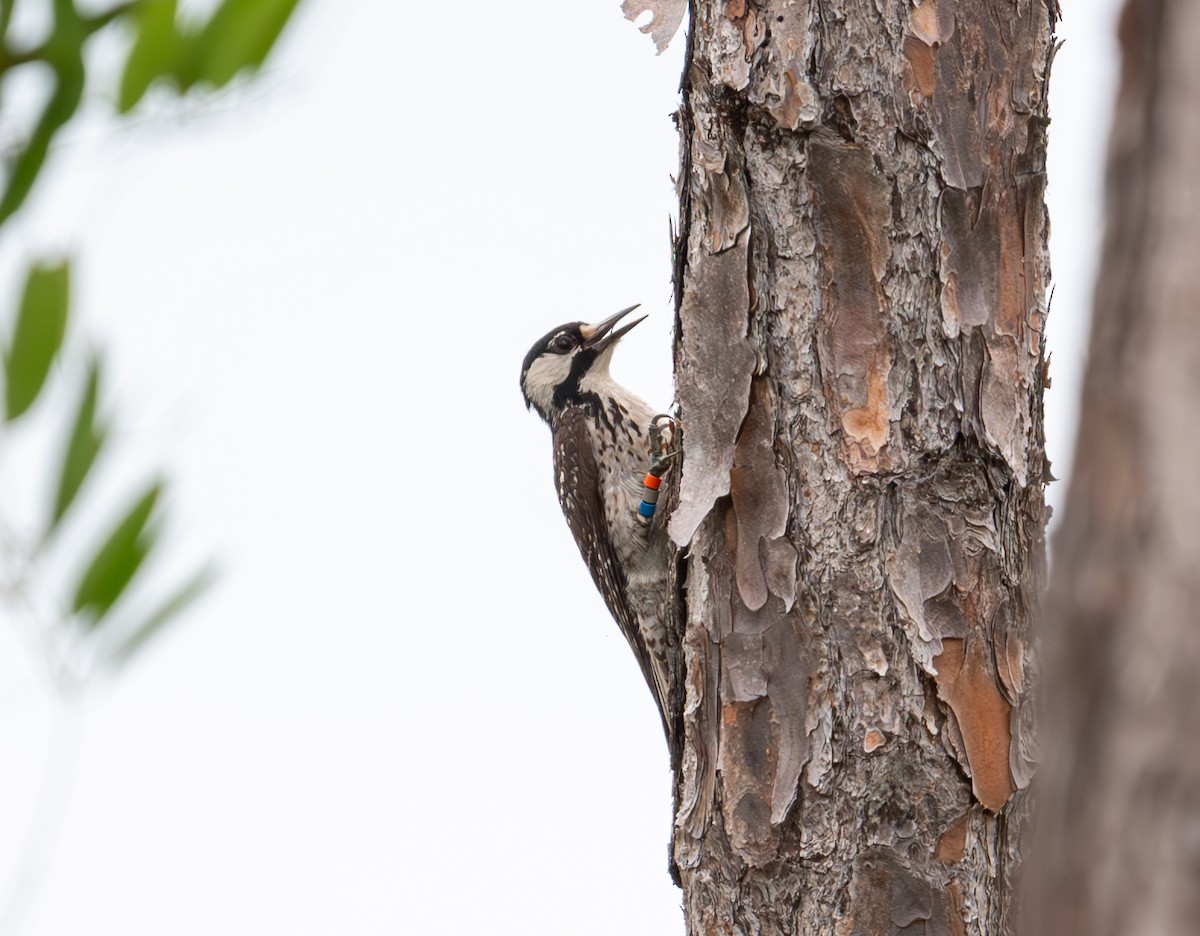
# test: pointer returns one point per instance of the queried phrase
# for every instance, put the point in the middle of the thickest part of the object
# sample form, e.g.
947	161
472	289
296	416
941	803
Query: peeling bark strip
712	375
860	274
966	684
760	720
851	205
666	15
760	506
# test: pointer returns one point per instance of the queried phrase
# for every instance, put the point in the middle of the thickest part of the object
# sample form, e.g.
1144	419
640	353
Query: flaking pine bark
861	274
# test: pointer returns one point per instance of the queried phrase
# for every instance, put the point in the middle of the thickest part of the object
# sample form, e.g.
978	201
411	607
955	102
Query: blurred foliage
180	53
40	328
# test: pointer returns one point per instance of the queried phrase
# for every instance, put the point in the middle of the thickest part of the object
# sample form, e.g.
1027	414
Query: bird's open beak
601	335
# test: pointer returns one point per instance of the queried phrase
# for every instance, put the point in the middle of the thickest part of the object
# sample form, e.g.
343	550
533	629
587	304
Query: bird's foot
664	444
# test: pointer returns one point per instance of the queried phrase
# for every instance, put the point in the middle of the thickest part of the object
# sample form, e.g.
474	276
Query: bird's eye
563	343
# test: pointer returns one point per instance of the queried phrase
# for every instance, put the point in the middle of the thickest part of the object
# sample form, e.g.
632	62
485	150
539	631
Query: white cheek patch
544	374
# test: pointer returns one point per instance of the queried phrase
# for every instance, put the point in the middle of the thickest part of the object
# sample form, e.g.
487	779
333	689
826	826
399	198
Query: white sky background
404	709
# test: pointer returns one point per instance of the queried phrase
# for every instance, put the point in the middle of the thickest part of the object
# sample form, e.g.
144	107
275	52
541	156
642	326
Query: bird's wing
577	480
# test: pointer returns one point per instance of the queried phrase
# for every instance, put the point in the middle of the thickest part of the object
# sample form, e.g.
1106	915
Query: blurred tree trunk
860	276
1121	799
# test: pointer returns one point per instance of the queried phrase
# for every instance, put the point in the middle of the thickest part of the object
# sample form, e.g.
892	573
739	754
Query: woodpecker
602	437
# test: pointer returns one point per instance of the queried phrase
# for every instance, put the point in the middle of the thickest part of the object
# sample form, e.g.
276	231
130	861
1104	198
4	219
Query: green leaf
38	334
239	35
87	437
118	560
155	53
166	612
64	53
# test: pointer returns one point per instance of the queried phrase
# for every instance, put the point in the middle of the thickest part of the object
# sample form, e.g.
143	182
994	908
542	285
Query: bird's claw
660	459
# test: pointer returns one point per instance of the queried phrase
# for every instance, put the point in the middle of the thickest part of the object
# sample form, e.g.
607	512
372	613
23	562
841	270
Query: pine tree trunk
1120	807
860	276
